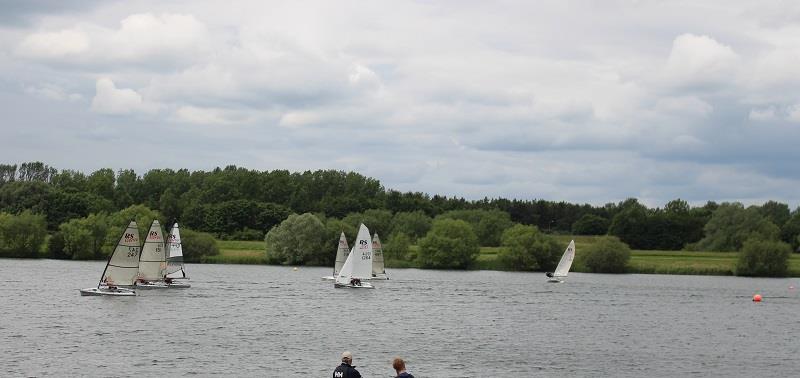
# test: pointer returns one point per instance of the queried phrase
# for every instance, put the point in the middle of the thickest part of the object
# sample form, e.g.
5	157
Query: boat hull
162	285
119	292
363	285
554	280
328	278
380	277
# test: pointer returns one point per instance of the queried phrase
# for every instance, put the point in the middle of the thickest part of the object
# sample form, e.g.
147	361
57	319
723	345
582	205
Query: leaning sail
341	254
377	256
153	262
124	262
362	261
344	275
566	261
175	267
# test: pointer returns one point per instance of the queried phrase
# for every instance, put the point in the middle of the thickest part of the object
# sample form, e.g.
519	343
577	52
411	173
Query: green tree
790	230
630	224
776	212
590	224
414	224
731	224
22	235
398	247
763	258
196	245
450	244
526	248
376	220
300	239
85	238
488	225
607	255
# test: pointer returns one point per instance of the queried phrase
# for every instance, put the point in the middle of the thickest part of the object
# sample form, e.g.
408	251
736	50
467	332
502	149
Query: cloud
52	92
110	100
794	113
700	61
210	116
53	45
763	114
689	105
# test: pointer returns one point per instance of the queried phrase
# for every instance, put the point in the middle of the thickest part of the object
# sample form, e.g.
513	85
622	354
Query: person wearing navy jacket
346	369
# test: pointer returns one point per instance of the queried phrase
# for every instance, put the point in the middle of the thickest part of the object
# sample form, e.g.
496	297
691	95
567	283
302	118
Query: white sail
341	254
153	261
346	273
175	268
362	251
566	261
378	267
123	264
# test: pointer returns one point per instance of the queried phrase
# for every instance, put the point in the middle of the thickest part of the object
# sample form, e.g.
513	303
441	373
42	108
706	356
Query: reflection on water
251	320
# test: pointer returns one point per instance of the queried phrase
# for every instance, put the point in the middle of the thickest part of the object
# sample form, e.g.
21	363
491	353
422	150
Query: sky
578	101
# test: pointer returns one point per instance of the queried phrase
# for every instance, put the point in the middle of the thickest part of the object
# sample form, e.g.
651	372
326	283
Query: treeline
238	203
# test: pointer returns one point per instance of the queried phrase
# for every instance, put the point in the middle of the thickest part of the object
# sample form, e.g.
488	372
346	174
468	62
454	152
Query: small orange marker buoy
757	298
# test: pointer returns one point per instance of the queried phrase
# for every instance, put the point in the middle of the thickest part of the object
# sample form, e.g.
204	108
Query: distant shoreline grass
642	262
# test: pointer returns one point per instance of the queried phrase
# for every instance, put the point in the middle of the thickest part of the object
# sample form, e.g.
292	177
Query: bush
197	245
451	244
300	239
414	224
607	255
22	235
528	249
55	247
397	247
767	258
247	234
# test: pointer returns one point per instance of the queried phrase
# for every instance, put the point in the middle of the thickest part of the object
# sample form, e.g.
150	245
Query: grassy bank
649	262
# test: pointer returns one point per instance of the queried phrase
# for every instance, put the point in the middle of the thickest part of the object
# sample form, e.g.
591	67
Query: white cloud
53	45
109	99
52	92
700	60
793	113
763	114
210	116
688	105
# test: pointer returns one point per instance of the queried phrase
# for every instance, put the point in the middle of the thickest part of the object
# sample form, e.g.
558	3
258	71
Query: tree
85	238
731	224
397	248
413	224
376	220
488	225
763	258
196	245
790	231
776	212
590	224
22	235
451	244
607	255
300	239
526	248
630	224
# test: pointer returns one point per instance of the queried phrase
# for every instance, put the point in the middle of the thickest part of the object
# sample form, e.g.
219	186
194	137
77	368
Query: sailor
346	370
400	367
549	274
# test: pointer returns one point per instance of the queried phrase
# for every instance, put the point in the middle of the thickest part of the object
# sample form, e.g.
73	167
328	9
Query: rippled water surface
254	320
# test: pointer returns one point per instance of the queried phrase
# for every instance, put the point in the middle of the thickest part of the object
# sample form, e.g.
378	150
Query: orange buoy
757	298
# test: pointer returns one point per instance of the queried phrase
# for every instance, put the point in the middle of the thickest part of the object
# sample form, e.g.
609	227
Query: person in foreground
346	369
400	367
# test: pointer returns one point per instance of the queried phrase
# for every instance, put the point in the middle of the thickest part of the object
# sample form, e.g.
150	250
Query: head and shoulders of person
346	369
399	366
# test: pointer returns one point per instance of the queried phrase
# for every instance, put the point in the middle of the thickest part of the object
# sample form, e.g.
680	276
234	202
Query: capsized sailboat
176	271
121	268
358	265
153	260
341	256
378	268
563	266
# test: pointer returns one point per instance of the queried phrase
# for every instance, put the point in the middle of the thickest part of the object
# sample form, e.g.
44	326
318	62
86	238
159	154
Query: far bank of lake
642	261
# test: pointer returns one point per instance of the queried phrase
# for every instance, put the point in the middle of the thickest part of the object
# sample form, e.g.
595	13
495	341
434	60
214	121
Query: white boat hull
555	280
328	278
364	285
380	277
118	292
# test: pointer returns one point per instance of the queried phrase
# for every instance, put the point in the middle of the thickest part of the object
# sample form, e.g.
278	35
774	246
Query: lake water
245	320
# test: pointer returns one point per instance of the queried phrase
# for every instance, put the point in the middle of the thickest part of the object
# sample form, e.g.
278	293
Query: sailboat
153	260
563	266
378	269
175	268
121	268
358	265
341	256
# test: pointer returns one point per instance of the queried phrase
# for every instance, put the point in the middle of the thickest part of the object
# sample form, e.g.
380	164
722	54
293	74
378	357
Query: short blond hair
398	364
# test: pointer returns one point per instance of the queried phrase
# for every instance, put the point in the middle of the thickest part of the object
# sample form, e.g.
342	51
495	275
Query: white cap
347	355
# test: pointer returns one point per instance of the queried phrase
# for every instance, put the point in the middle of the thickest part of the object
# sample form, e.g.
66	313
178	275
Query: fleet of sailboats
358	265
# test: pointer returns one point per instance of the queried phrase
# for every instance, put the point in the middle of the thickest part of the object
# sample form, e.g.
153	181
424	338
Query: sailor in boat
355	281
549	274
346	369
168	280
